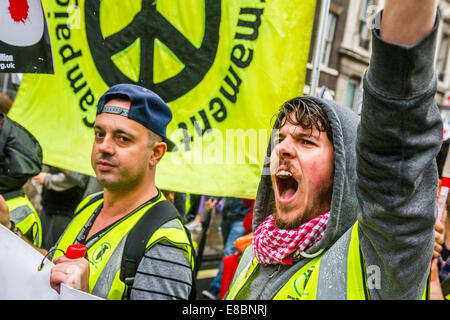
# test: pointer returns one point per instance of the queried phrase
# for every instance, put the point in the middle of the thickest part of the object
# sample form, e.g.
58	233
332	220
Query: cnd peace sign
147	25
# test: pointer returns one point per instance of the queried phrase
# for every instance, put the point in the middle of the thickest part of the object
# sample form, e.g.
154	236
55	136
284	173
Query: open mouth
286	184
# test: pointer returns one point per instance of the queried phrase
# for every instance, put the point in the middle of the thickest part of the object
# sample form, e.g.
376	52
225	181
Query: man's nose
106	145
286	149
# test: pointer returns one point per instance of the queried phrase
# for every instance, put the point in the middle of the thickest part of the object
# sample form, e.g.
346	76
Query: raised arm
405	22
399	137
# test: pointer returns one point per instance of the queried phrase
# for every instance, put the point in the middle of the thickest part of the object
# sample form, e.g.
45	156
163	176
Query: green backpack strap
138	237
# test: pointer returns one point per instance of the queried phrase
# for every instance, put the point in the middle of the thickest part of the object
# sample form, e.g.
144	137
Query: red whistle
75	251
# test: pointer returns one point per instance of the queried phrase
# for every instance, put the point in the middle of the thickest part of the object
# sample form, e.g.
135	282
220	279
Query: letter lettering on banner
238	61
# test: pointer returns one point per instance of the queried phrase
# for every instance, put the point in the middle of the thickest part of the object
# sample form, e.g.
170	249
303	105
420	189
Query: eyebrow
298	135
116	131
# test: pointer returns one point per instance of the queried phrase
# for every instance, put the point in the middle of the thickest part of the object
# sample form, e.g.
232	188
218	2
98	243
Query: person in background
20	159
62	191
201	204
233	214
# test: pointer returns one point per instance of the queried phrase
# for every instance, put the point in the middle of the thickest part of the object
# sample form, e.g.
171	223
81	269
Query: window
364	32
350	94
442	57
329	36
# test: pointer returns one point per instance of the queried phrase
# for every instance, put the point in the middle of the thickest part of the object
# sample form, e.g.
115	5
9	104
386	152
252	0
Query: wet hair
308	115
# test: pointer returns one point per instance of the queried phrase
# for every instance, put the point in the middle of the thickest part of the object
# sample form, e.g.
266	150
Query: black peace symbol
149	25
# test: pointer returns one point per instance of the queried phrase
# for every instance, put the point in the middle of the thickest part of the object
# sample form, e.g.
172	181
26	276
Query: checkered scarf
272	245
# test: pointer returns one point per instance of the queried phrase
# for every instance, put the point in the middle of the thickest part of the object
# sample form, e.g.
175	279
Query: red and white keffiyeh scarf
272	245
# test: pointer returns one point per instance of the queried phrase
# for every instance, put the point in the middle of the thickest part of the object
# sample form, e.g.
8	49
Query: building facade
347	48
346	52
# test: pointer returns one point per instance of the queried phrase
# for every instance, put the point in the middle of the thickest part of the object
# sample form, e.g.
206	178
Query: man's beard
282	224
287	224
322	206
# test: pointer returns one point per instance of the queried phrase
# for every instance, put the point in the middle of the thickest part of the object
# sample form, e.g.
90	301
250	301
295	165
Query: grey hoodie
385	176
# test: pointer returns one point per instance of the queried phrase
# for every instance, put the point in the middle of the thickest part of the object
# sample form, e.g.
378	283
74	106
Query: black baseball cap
146	107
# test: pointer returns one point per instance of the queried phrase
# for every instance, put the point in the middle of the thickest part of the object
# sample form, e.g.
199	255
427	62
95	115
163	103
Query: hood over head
344	123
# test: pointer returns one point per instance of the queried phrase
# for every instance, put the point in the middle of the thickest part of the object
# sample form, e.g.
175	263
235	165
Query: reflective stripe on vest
337	274
24	215
105	254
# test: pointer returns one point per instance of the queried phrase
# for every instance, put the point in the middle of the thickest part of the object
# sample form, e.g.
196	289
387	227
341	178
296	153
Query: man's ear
158	151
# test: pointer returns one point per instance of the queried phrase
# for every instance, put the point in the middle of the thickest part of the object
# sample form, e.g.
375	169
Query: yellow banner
223	67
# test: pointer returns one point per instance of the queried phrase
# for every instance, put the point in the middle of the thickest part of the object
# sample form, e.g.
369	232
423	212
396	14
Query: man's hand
72	272
438	238
40	178
406	22
210	203
4	213
435	285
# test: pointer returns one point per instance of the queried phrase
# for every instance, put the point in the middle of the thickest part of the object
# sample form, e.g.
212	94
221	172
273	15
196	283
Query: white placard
20	278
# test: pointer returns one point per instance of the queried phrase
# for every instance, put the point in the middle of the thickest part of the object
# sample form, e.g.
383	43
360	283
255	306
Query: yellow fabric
303	285
267	65
31	225
355	268
175	236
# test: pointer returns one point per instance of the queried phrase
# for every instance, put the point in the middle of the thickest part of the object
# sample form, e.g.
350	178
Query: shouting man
348	209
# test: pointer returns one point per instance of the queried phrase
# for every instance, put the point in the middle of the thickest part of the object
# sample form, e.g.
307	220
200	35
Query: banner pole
5	82
318	46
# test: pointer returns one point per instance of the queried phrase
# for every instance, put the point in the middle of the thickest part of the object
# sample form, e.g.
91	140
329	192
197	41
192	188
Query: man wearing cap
130	140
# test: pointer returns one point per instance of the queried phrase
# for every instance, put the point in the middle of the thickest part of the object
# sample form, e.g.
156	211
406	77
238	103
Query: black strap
138	237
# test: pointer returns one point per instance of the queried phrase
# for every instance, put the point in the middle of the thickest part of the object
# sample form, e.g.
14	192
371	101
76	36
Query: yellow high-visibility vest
105	254
346	280
25	217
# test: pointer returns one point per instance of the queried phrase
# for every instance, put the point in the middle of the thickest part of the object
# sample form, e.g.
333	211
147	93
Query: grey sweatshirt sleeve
399	136
62	182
